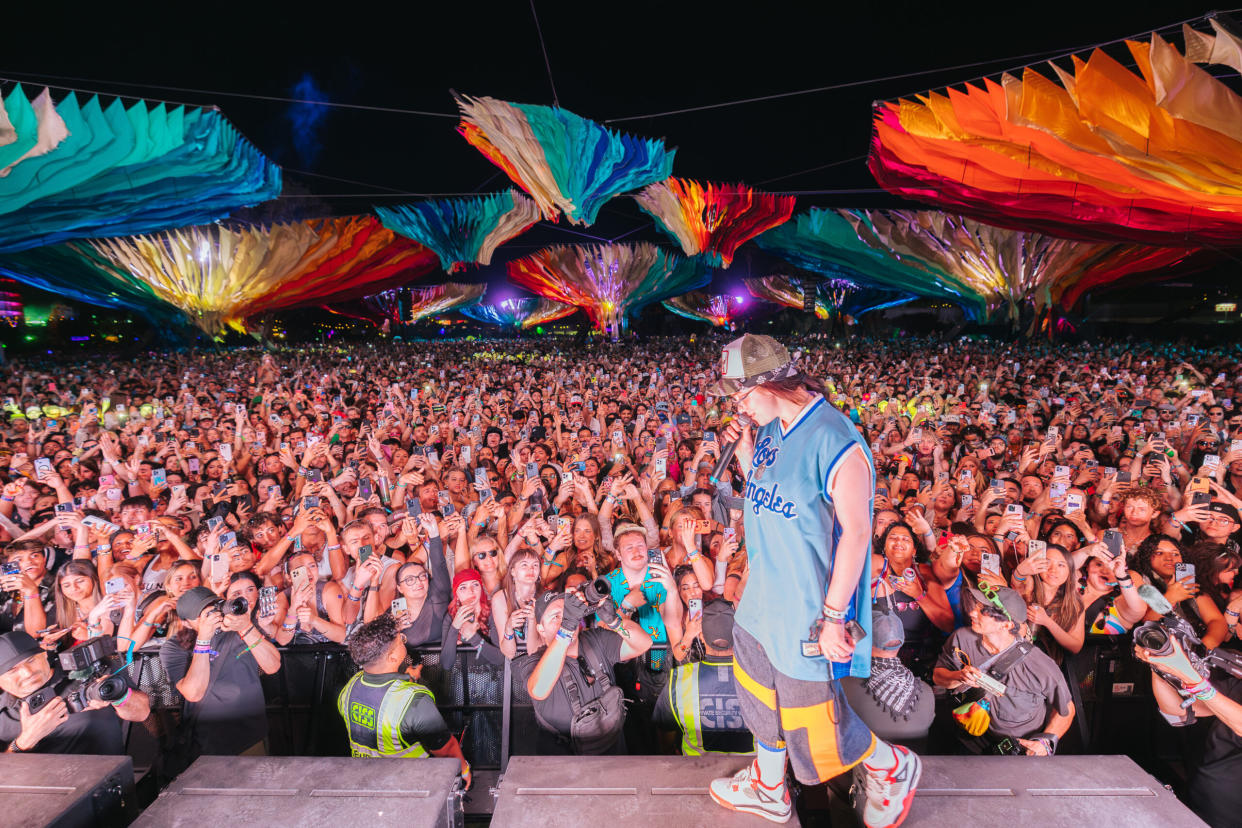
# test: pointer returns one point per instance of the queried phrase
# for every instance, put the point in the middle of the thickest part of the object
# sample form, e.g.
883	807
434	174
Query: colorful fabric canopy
77	170
219	276
1005	268
827	242
566	163
609	282
433	299
721	310
521	313
831	296
1097	152
85	276
465	230
713	219
385	305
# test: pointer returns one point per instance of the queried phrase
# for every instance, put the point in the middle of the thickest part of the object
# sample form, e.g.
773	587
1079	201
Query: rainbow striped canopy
831	296
463	231
609	282
432	299
523	313
713	219
721	310
566	163
75	169
1095	152
219	276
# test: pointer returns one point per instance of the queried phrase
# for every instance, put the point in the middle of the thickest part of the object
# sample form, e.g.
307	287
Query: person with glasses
426	591
485	558
1035	709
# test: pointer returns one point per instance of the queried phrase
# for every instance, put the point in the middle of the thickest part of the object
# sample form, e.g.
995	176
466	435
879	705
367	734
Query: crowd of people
559	506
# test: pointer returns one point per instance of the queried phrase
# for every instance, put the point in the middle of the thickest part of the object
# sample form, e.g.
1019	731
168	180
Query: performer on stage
809	486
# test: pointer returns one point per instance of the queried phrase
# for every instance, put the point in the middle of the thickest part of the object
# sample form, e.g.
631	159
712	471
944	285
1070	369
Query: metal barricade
301	699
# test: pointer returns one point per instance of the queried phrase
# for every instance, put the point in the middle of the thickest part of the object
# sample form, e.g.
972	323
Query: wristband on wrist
332	548
564	635
289	627
1018	577
128	692
833	614
200	643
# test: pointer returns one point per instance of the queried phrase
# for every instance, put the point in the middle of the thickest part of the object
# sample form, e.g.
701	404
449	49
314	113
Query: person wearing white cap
809	483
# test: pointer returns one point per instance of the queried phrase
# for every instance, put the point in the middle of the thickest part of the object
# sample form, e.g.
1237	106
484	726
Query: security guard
701	697
386	713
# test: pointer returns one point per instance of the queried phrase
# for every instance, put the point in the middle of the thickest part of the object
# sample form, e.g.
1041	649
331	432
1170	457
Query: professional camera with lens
92	667
1158	637
232	606
595	591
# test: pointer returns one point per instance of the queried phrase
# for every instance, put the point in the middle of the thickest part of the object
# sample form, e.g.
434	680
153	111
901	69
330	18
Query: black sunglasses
491	553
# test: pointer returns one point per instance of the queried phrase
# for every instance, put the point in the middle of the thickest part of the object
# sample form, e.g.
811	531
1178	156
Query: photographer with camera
572	678
225	712
1012	698
43	710
1184	693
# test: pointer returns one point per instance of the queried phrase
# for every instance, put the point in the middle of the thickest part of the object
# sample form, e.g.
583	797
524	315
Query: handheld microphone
1153	598
726	453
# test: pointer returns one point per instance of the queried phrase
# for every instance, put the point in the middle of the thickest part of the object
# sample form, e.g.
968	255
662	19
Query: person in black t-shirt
225	712
570	654
51	728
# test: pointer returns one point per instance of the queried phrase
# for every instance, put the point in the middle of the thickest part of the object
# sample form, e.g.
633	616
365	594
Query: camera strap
999	665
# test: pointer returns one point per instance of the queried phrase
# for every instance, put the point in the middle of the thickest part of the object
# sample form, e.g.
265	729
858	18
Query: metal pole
505	717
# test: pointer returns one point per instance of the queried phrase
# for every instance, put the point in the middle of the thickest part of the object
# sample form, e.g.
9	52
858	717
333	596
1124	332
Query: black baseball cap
16	647
191	605
543	602
1227	509
718	624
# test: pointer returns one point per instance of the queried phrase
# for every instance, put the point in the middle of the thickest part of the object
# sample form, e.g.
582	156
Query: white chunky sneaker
884	797
742	792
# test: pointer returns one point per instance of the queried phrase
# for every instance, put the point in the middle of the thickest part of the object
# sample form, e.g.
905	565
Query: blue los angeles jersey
791	536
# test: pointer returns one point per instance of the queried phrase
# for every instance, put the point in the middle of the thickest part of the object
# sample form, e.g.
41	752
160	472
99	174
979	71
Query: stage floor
984	790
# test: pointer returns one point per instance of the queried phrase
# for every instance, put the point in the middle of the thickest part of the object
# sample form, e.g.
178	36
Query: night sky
608	61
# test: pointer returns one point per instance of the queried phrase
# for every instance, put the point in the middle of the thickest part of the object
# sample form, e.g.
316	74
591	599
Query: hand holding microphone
736	435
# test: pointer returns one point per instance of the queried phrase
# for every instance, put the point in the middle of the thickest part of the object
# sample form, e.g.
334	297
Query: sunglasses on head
989	592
